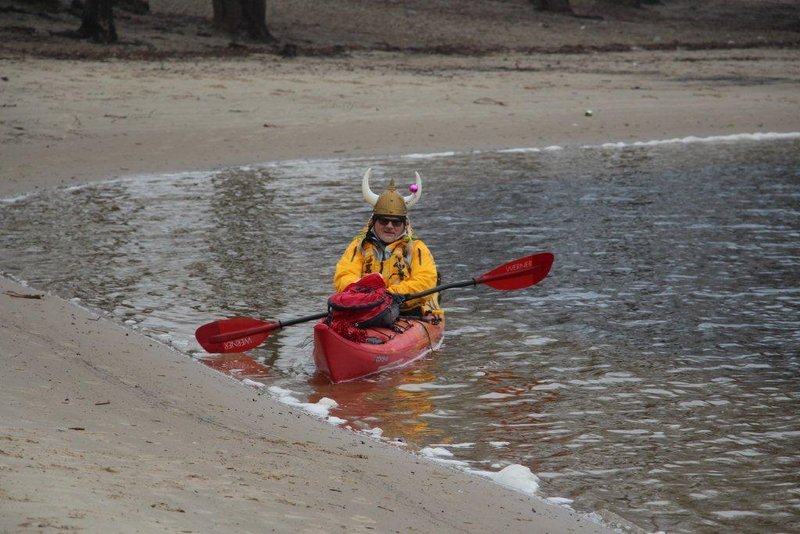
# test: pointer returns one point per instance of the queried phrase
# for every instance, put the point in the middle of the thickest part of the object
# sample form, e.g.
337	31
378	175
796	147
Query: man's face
389	229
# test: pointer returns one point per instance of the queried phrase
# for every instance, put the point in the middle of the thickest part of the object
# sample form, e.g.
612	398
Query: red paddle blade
239	334
520	273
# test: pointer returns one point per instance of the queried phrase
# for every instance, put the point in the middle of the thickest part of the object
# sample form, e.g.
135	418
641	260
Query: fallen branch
16	295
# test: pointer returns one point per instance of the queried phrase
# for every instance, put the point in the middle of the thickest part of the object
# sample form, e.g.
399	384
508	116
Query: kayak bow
342	359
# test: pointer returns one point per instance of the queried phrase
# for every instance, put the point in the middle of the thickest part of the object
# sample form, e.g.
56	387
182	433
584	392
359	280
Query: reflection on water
382	402
654	373
240	366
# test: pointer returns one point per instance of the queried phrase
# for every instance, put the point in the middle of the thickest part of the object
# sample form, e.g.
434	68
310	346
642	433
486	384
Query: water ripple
653	373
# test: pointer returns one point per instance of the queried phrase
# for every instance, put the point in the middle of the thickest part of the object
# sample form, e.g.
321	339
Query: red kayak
343	359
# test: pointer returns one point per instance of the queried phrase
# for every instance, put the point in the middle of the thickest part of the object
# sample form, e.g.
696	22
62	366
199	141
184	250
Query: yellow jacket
406	265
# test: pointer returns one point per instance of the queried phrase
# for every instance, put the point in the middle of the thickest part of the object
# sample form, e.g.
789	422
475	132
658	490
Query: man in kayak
388	245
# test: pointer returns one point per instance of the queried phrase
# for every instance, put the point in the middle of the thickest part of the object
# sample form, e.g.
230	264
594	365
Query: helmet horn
369	197
413	198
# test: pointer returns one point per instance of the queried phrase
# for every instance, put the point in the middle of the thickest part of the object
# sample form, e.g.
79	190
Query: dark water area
654	373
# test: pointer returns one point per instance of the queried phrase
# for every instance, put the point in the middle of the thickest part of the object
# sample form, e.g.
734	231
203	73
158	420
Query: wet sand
69	122
105	430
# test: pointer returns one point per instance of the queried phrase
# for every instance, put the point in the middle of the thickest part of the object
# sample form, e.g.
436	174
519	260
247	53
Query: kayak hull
342	359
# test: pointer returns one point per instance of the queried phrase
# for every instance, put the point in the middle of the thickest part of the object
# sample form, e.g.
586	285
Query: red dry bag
363	304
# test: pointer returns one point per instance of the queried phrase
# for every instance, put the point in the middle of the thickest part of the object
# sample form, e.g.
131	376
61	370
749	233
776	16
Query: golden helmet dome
390	202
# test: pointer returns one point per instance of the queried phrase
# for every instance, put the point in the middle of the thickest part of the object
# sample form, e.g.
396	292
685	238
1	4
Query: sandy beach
103	430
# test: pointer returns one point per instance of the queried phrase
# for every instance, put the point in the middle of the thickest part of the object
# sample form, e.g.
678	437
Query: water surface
653	373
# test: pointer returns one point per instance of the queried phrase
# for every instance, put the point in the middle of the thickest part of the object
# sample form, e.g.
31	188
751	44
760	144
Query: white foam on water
720	367
519	150
657	503
758	136
711	326
467	445
530	150
495	395
469	330
439	414
789	434
699	403
609	378
17	198
631	432
705	494
424	386
538	341
554	386
661	392
734	514
432	155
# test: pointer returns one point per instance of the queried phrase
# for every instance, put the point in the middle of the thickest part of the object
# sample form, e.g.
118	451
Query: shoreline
105	429
178	173
111	444
144	118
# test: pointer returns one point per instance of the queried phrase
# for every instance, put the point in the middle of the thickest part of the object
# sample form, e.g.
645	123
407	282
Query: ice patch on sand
320	409
561	501
248	382
376	432
436	452
517	477
443	456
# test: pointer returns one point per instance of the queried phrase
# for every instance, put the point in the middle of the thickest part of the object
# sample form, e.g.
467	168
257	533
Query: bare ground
461	27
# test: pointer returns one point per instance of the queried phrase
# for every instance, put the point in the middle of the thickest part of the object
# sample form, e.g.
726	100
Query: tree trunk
557	6
562	6
249	16
626	3
98	22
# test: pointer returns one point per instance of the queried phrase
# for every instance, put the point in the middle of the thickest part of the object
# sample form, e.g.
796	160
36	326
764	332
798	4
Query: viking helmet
390	202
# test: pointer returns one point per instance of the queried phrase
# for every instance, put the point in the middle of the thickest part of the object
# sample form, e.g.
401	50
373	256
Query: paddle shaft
451	285
466	283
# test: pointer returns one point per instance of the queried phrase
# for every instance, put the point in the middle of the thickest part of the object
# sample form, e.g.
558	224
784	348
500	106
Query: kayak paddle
516	274
241	334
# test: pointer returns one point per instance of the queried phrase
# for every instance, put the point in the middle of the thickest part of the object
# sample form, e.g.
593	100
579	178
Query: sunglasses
386	221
